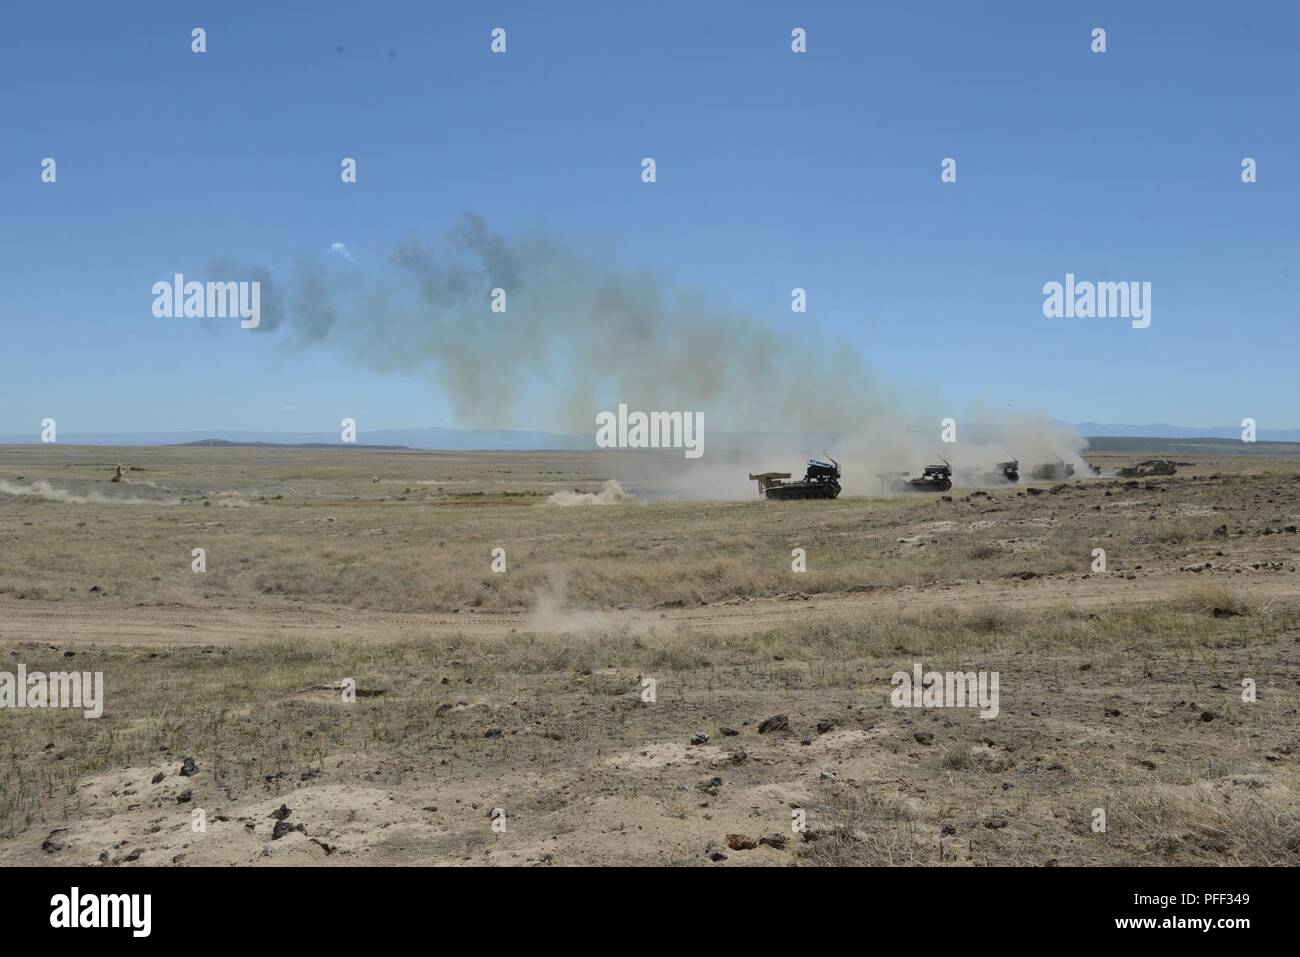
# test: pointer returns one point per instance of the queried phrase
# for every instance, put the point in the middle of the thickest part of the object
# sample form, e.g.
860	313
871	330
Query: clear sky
775	170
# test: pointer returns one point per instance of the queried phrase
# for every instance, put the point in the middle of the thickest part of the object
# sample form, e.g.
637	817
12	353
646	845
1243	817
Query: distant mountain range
1163	430
516	440
433	438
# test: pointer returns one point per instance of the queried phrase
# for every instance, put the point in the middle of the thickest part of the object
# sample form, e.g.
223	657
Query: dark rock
778	722
284	827
741	842
711	786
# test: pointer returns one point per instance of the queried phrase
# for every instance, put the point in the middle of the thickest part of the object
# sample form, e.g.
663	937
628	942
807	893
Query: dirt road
112	624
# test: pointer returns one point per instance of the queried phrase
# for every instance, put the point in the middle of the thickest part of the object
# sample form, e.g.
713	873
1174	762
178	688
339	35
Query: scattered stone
157	778
778	722
924	737
1208	715
284	827
185	797
188	768
776	840
710	787
699	737
741	842
825	725
280	813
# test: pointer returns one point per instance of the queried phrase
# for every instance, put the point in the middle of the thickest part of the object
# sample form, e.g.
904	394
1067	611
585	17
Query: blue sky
775	170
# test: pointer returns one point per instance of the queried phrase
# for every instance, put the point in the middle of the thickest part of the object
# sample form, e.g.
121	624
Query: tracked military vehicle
1053	471
820	480
935	478
1150	467
1010	470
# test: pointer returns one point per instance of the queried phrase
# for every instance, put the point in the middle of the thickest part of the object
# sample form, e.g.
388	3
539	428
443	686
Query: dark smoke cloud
581	333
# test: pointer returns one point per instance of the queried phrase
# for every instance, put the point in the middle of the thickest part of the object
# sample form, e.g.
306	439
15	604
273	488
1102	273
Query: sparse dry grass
318	529
565	700
321	533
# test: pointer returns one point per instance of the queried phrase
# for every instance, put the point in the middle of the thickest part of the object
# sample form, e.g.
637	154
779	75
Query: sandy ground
1121	692
181	625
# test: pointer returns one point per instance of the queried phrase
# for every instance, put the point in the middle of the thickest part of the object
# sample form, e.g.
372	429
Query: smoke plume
580	333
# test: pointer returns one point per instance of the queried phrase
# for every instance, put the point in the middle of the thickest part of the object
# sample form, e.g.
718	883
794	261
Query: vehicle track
64	624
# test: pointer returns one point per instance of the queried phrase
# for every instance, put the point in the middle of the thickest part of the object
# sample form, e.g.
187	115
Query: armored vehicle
820	480
1053	471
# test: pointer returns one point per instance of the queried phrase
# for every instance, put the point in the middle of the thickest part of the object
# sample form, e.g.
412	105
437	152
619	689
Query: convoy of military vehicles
822	479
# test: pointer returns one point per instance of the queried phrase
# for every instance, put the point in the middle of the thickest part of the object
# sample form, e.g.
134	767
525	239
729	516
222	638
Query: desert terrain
500	713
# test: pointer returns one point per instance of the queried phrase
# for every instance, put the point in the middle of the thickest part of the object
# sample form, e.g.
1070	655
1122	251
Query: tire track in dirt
29	621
